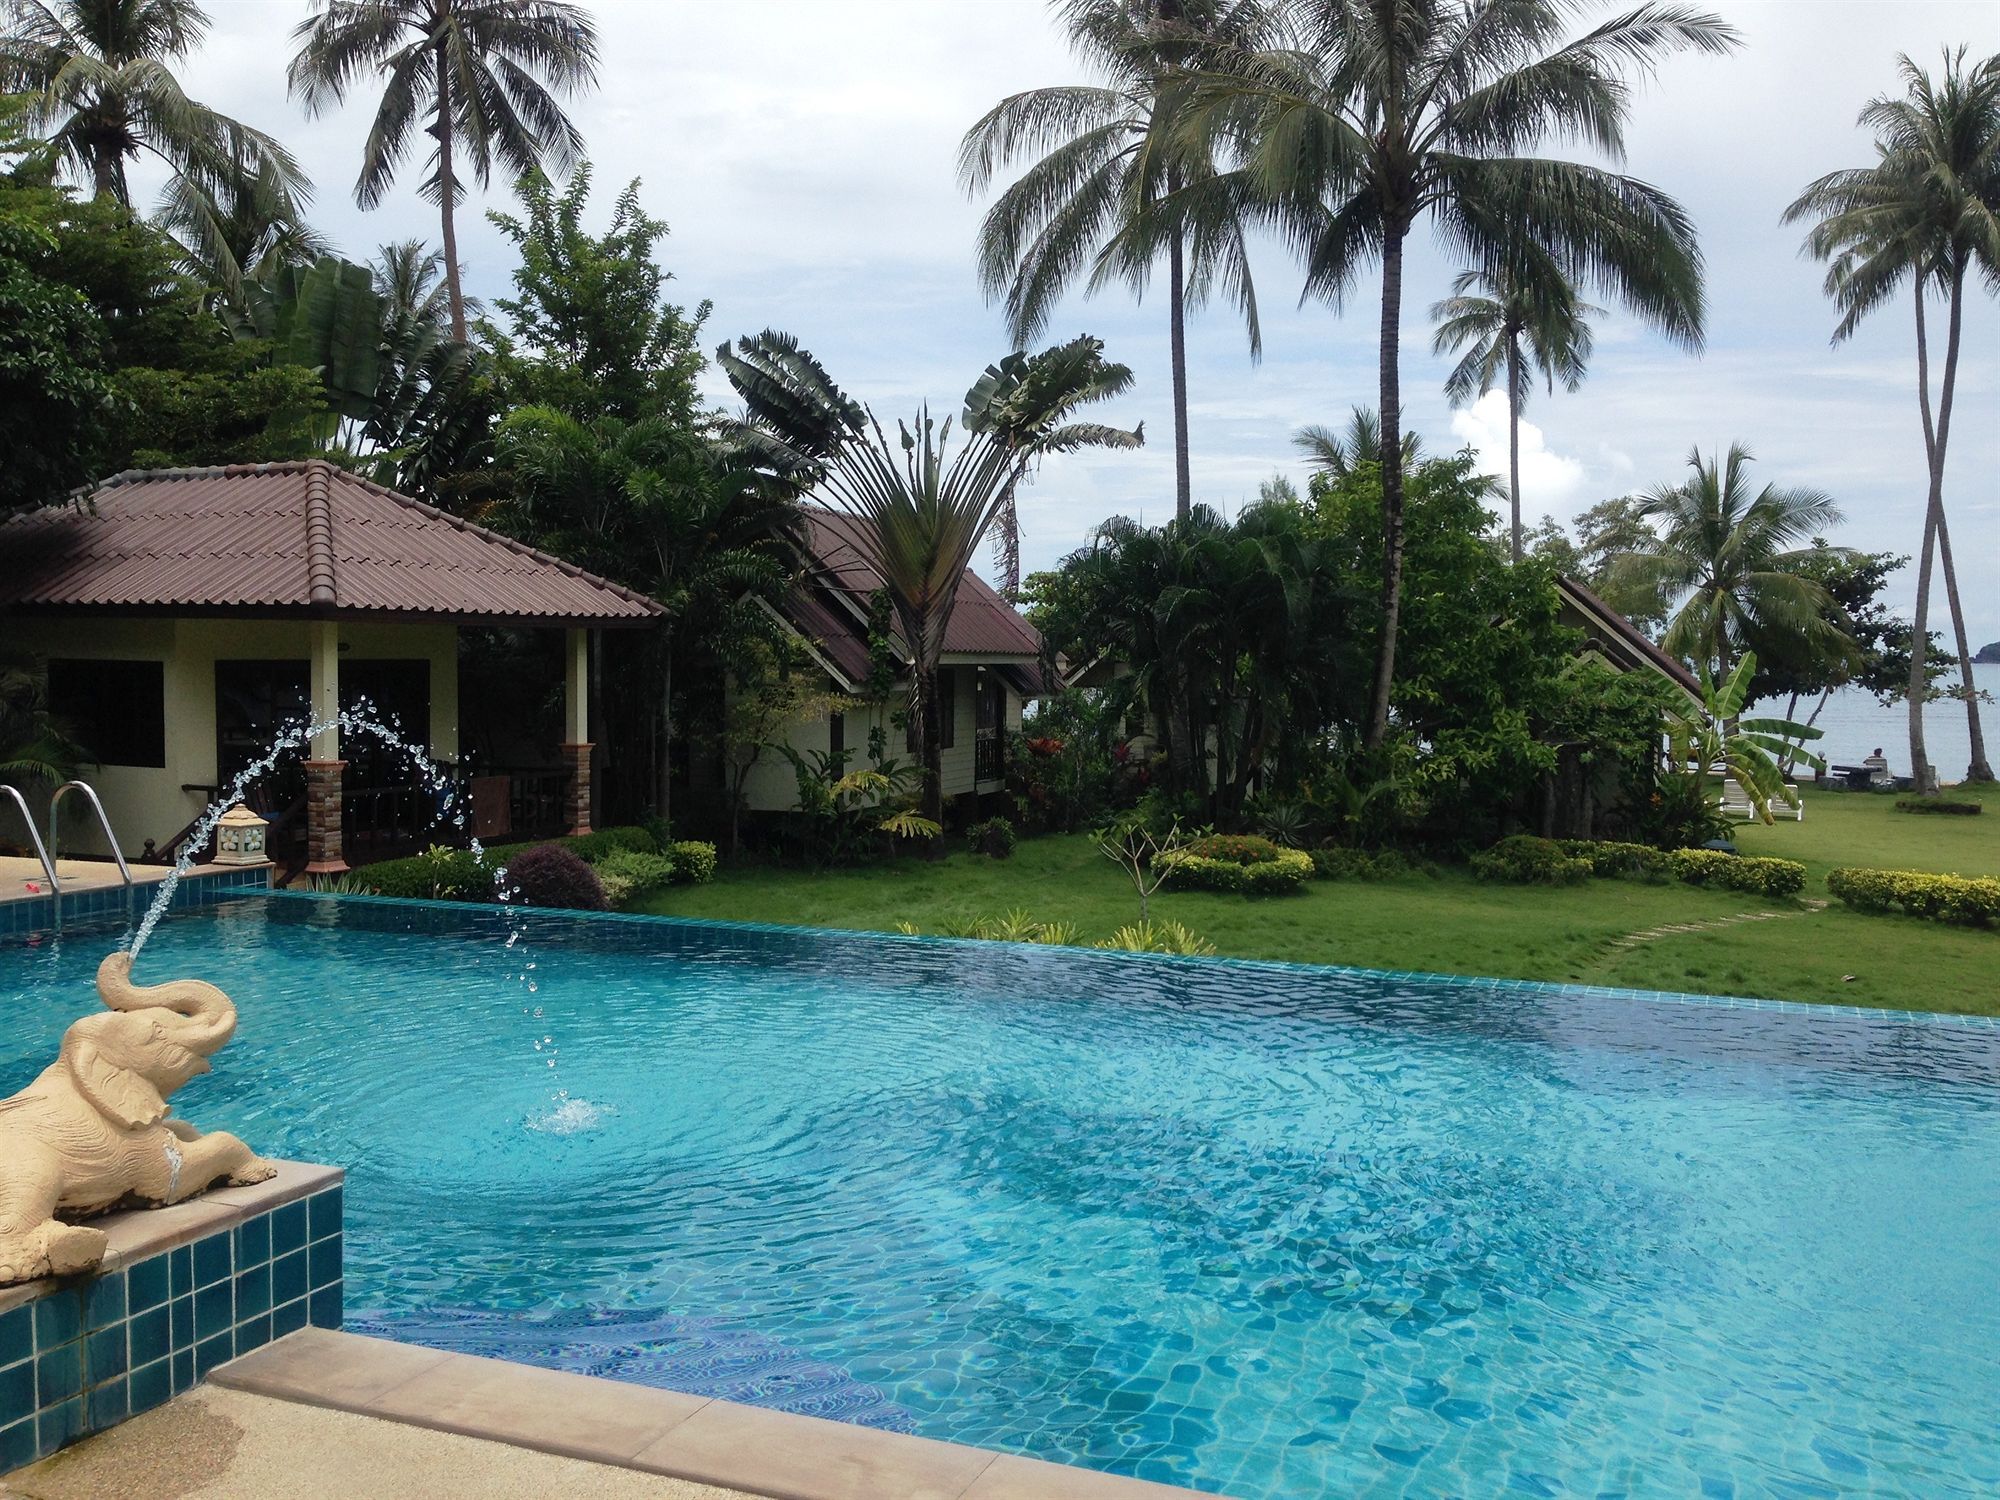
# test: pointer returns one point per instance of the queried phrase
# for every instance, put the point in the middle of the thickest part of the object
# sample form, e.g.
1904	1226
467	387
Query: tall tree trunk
664	802
447	193
1978	769
930	751
1514	438
1007	544
1391	396
1177	342
1920	626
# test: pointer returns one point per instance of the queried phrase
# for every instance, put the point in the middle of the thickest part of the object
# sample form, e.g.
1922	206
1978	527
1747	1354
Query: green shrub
1610	860
994	838
1337	862
1158	937
627	873
694	861
1760	876
1522	859
1971	900
1285	870
596	845
438	874
1938	805
550	875
1234	848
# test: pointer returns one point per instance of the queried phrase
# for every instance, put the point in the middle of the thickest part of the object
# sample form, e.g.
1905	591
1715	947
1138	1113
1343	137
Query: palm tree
1516	313
1385	111
921	509
1927	211
1340	454
1732	558
100	74
1027	400
480	71
1101	159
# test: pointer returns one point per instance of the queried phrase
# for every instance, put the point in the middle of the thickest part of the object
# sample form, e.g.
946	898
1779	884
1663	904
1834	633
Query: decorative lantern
239	837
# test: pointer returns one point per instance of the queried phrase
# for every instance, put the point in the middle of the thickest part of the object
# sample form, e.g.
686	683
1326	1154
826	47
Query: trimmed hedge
550	875
1759	875
445	874
1971	900
1938	805
694	862
1235	848
1284	870
1522	859
627	873
1610	860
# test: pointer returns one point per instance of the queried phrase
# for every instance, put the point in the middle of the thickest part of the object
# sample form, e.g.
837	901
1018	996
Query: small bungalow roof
1620	639
298	539
829	606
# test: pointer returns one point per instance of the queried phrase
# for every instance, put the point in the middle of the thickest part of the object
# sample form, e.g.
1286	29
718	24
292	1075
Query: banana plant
326	317
1753	752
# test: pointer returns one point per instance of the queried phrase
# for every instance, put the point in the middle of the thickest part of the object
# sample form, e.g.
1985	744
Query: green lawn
1452	923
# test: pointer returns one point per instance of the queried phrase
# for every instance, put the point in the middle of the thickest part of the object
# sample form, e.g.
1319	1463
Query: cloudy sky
803	154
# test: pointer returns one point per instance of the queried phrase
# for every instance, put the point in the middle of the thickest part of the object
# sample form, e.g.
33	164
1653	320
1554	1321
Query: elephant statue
93	1131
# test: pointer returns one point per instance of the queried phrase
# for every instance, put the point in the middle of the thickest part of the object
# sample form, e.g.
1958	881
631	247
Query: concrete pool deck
330	1414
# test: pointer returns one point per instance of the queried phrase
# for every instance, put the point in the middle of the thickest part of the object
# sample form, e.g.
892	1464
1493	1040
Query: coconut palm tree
483	74
1382	113
1516	314
1731	557
1339	454
1100	156
1926	212
1027	400
100	74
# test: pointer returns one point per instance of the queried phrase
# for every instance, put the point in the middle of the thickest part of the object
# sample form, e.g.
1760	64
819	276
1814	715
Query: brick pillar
323	852
577	757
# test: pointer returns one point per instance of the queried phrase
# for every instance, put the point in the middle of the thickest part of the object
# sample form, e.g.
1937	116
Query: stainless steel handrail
110	838
35	837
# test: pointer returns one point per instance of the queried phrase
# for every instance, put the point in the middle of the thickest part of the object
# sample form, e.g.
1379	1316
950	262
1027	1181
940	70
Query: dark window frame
116	706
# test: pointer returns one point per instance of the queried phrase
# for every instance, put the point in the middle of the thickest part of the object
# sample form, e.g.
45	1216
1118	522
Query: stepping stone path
1677	929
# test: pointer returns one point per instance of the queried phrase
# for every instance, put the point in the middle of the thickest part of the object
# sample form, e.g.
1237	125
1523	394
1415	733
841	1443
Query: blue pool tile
323	1211
211	1260
150	1385
289	1318
17	1333
106	1404
182	1327
104	1354
58	1374
288	1277
56	1425
288	1228
150	1335
17	1446
183	1369
324	1307
253	1333
323	1263
58	1319
104	1301
212	1352
214	1310
253	1292
17	1391
253	1241
146	1284
180	1280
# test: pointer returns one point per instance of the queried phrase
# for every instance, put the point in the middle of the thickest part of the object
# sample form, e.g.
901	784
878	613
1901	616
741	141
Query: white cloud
1550	481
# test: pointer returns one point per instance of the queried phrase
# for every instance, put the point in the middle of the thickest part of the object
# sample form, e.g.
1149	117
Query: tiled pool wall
202	886
88	1352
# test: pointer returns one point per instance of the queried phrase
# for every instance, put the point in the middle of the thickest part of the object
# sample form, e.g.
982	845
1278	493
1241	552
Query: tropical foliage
1715	737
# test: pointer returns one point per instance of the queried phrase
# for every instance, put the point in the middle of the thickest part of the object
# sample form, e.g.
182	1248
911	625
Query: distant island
1990	652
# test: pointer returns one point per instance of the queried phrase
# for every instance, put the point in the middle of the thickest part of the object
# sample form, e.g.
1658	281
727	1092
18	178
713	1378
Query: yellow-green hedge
1972	900
1285	870
1757	874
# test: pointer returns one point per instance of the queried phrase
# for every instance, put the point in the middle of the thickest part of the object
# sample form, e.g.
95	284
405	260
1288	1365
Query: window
836	734
116	709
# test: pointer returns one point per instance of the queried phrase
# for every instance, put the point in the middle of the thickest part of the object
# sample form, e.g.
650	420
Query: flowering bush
1235	848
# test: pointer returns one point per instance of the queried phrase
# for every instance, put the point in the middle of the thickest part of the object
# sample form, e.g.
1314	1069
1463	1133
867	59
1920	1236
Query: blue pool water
1257	1229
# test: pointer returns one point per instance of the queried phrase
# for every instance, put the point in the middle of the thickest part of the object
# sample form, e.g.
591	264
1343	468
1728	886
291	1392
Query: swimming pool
1259	1229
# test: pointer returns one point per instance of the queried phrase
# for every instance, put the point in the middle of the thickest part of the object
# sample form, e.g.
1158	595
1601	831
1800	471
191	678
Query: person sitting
1877	766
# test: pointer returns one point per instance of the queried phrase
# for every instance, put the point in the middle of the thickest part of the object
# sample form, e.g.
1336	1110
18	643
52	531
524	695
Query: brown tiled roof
982	623
1637	645
289	539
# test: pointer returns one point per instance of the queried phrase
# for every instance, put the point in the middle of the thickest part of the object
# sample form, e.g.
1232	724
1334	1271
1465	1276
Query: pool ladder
48	853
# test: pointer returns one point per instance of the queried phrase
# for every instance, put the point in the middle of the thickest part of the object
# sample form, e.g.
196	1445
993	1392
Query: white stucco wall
147	802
